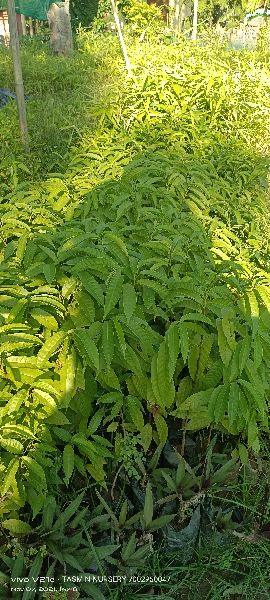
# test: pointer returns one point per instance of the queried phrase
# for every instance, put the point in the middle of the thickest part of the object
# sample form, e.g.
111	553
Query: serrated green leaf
173	342
166	391
123	513
224	472
46	399
48	512
233	403
92	287
146	436
135	412
45	319
243	454
129	548
218	403
184	342
107	343
255	395
193	357
95	421
161	522
50	347
12	446
33	576
244	352
66	515
120	336
254	310
129	300
180	472
162	428
113	293
87	347
35	469
10	475
148	506
68	461
17	526
224	349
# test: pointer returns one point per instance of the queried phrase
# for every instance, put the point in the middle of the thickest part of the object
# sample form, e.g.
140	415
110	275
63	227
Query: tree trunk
195	20
60	27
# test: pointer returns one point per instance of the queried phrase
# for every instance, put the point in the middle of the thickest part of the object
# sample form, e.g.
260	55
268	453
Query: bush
134	313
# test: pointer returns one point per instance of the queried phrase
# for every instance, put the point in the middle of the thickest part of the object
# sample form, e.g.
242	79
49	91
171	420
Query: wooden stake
121	37
31	28
195	20
23	24
19	87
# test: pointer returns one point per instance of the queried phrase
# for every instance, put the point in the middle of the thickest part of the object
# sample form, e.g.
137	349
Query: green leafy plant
134	308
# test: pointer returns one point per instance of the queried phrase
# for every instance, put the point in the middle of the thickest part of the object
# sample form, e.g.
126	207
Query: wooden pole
195	20
121	37
23	24
19	87
31	28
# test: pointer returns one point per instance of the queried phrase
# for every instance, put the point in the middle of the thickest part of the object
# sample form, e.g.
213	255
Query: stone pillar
60	27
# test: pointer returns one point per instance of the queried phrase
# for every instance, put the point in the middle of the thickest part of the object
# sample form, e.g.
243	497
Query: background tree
83	12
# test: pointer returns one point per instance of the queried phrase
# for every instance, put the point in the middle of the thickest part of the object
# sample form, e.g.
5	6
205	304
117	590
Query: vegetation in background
134	321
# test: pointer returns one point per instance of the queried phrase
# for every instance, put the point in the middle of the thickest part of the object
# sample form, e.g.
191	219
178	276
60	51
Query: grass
52	83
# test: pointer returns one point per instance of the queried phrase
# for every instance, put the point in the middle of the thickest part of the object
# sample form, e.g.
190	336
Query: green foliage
142	16
83	12
134	302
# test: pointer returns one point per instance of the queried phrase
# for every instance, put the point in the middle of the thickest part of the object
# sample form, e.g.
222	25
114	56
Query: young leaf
224	349
173	341
95	421
166	389
162	428
45	319
48	512
12	446
254	310
129	300
87	347
68	513
93	288
17	526
148	506
161	522
146	436
135	413
193	356
107	343
233	403
184	341
113	293
33	577
224	472
10	475
129	548
123	513
244	352
50	347
180	472
120	336
68	461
